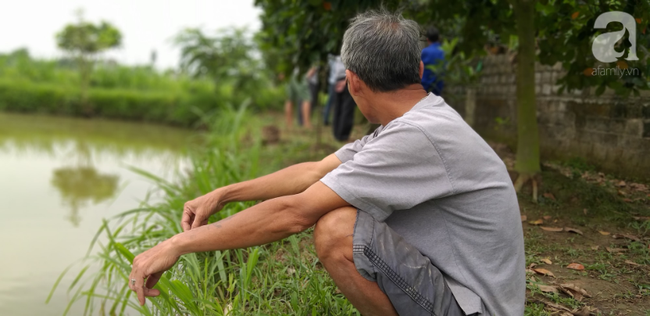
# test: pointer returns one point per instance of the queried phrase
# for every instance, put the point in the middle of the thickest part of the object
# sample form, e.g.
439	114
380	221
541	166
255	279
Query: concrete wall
608	131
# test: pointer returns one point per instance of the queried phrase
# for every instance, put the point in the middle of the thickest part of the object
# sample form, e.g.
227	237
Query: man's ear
421	69
354	83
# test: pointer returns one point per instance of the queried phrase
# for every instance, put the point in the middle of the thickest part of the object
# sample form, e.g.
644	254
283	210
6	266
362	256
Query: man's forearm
263	223
290	180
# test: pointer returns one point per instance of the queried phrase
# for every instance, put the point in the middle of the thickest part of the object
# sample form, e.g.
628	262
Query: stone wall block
634	127
605	125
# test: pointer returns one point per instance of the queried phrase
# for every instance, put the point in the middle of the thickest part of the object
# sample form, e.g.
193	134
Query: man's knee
333	233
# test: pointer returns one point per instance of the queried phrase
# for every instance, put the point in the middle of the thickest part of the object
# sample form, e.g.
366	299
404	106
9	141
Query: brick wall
608	131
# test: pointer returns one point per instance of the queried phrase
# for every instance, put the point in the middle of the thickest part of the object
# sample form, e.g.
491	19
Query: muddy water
58	178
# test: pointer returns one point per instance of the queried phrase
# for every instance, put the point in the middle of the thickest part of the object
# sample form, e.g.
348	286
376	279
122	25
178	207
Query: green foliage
226	58
85	38
301	33
84	41
119	92
566	34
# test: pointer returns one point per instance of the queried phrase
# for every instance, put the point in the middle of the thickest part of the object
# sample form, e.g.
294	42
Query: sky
146	25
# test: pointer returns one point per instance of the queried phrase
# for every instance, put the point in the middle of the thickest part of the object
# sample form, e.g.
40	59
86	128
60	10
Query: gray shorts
409	279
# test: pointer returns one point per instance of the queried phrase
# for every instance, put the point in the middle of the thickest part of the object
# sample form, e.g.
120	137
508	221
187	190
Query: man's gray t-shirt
439	185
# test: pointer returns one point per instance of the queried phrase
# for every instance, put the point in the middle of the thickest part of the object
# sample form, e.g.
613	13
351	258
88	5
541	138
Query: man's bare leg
288	114
333	239
306	114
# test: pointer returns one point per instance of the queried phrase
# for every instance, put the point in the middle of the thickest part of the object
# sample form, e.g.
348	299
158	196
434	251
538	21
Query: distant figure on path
314	87
336	69
343	104
418	218
298	94
432	55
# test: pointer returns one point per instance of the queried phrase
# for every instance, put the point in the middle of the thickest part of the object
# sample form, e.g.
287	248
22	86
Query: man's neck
391	105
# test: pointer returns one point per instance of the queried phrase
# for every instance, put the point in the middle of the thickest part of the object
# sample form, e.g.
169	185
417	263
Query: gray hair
383	49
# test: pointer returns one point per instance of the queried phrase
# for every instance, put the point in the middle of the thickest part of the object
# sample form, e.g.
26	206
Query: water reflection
60	171
80	186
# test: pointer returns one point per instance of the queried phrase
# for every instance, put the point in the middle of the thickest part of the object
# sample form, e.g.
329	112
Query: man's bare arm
291	180
263	223
288	181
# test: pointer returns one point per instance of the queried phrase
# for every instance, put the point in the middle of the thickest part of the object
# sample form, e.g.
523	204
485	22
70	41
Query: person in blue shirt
432	55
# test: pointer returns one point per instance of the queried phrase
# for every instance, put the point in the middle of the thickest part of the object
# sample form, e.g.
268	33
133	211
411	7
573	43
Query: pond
59	177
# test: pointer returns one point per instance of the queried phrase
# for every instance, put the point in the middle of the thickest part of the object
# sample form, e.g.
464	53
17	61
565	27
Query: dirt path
587	242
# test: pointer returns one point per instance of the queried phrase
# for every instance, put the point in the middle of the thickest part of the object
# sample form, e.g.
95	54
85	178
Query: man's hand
149	266
340	85
196	212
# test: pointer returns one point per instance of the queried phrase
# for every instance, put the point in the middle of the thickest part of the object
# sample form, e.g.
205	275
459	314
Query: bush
176	108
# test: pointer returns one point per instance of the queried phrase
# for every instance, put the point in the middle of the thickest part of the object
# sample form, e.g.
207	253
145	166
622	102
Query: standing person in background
312	82
432	55
297	93
336	67
343	104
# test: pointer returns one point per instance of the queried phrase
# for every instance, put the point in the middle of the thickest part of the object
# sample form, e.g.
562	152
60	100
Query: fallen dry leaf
574	291
621	184
555	306
548	288
543	271
549	196
524	218
575	266
641	218
626	236
595	247
632	263
615	250
547	217
532	265
575	288
546	260
552	229
604	233
573	230
537	222
584	210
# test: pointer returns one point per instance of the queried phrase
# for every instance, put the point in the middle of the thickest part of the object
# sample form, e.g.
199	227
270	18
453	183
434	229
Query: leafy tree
227	57
85	40
305	32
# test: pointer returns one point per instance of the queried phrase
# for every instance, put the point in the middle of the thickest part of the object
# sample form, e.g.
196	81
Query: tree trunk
527	164
85	69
